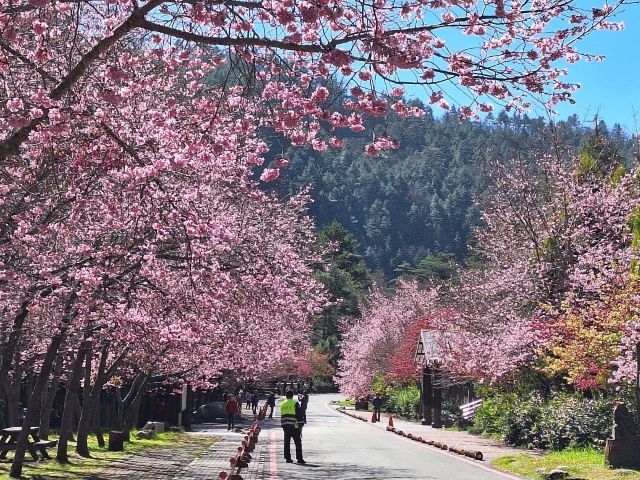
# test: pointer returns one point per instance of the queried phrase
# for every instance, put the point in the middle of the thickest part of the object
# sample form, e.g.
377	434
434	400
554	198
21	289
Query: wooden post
116	441
437	400
188	411
427	396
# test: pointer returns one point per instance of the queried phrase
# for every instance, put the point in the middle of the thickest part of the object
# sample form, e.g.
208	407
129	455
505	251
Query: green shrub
570	422
451	414
522	423
491	418
404	401
557	422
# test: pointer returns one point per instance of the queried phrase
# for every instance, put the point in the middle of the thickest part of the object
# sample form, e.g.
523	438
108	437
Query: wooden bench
469	409
42	445
9	442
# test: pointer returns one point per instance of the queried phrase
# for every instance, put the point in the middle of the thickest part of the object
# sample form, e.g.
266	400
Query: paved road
339	447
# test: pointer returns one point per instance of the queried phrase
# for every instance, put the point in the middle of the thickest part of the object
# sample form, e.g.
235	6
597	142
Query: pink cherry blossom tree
369	344
560	254
153	240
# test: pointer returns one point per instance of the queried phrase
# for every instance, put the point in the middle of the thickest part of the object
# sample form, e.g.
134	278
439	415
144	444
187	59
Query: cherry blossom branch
12	143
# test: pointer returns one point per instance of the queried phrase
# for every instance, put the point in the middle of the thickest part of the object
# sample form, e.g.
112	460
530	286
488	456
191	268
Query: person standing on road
254	402
377	406
303	398
231	407
289	414
271	403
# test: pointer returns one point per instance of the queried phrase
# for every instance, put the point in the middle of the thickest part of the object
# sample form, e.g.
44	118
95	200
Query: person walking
271	402
377	406
231	407
254	402
289	415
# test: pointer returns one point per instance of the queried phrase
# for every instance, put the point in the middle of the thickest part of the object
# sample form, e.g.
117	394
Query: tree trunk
30	381
9	350
125	403
97	424
70	404
92	403
48	397
13	396
134	409
34	402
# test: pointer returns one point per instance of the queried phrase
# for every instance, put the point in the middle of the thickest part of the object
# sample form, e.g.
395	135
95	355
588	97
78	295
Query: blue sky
611	88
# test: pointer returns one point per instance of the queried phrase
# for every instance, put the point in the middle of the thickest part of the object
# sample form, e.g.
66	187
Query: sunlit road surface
336	446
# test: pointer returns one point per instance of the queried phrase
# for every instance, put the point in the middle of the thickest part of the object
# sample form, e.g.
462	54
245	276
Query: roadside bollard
474	454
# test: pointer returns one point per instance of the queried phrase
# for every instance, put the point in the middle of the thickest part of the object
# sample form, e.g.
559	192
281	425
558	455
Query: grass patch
582	463
79	468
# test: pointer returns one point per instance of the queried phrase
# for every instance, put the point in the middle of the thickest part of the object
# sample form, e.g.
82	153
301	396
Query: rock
556	474
157	427
214	411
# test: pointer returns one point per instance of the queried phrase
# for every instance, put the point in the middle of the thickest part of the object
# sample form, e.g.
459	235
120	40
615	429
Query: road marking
273	457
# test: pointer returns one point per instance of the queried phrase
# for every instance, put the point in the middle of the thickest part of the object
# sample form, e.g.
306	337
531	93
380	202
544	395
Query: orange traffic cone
390	421
373	418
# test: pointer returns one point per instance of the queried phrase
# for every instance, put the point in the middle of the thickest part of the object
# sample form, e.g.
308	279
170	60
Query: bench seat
45	443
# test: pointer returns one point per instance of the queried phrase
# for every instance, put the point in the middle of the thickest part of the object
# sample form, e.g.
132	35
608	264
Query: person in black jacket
271	403
303	398
377	406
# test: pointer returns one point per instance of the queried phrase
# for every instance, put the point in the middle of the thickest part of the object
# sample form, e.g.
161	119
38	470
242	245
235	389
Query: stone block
623	453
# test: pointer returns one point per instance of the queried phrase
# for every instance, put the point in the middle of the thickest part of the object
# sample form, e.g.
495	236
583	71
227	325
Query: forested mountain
418	200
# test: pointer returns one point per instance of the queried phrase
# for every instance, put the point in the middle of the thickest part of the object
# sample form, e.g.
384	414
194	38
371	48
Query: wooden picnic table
9	441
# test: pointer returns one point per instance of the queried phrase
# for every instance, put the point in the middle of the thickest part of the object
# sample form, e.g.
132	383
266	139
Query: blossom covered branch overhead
53	53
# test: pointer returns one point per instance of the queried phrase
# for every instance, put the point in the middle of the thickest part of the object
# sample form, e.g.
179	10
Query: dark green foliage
451	414
347	281
569	421
439	267
521	427
599	155
418	201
